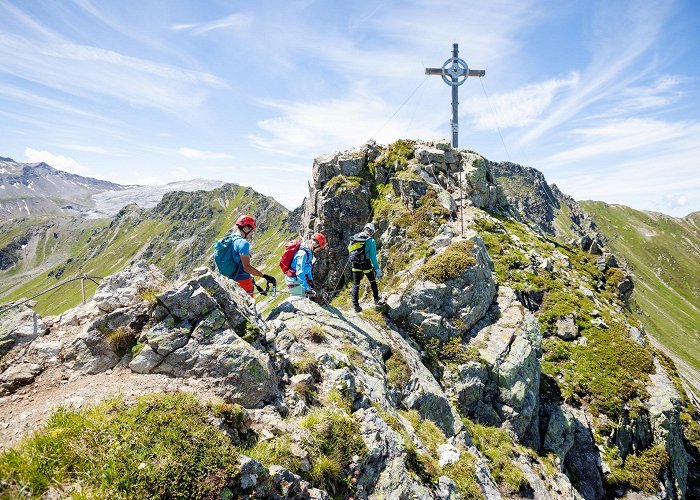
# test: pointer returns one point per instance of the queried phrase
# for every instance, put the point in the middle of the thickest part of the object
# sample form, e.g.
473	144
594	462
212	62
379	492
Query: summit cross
454	73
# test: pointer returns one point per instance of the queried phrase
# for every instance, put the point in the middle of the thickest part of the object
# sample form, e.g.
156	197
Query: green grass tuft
162	446
449	264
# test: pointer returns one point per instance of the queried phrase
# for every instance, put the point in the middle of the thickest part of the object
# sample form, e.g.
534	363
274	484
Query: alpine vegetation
494	351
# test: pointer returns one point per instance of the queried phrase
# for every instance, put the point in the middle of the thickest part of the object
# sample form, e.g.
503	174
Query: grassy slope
664	253
177	236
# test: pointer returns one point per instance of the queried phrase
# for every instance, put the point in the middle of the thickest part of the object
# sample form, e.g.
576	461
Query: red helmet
245	220
320	238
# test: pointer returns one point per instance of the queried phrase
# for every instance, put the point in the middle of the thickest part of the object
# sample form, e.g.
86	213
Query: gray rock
446	489
18	375
583	460
90	353
559	434
122	289
447	454
427	155
665	422
19	326
567	328
503	388
434	307
145	361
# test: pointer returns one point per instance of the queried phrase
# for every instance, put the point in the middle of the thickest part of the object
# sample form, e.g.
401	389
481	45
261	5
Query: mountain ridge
507	361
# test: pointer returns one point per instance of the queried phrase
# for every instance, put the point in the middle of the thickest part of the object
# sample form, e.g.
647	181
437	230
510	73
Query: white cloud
202	155
311	128
181	174
518	108
235	21
676	200
88	149
617	61
57	161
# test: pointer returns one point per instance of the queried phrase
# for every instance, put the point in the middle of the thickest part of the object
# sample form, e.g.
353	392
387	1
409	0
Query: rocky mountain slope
506	363
36	189
30	189
177	235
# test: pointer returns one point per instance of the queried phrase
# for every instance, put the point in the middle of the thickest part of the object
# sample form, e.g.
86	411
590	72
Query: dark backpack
357	249
223	256
290	251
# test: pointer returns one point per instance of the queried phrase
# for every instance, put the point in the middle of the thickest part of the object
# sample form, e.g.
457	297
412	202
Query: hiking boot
379	302
358	309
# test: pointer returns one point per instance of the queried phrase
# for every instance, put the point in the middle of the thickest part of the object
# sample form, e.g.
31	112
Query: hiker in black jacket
363	257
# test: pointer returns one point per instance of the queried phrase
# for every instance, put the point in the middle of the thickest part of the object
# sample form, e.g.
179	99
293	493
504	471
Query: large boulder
127	287
449	309
502	386
663	404
18	326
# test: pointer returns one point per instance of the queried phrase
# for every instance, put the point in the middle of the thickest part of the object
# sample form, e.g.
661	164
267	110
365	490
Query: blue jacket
302	266
371	253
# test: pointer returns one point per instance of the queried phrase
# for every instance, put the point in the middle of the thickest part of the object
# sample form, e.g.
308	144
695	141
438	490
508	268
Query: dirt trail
29	407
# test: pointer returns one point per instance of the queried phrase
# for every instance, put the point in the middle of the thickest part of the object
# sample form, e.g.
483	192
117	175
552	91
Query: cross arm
438	71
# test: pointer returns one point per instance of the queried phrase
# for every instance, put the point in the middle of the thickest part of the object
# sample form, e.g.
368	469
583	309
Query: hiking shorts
247	285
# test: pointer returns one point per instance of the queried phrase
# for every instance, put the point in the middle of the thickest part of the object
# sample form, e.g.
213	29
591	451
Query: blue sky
602	97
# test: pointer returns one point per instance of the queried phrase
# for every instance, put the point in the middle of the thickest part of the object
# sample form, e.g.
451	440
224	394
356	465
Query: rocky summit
504	362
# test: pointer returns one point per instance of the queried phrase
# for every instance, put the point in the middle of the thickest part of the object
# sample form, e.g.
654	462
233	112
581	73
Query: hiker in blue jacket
240	253
302	283
363	257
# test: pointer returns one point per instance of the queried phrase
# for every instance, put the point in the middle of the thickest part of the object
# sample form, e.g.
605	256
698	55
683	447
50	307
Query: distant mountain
177	235
28	189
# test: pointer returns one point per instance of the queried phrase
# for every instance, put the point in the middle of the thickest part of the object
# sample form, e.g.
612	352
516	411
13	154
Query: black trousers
356	278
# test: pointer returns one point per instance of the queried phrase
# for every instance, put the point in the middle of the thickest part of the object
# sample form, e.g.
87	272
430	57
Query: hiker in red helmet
301	283
240	250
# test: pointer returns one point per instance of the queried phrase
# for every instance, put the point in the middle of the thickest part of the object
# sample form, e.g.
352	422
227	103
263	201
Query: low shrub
275	451
397	370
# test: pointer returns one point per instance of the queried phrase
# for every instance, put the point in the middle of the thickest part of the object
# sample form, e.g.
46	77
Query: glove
311	283
270	279
378	274
311	293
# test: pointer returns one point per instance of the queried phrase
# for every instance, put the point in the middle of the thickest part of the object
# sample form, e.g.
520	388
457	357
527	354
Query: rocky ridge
486	375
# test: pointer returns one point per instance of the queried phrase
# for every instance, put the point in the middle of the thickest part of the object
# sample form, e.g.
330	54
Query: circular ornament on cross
454	69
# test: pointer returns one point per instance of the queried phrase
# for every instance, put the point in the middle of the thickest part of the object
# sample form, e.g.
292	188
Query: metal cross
454	73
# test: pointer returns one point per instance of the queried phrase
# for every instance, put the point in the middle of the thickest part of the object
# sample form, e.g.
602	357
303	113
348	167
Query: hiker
235	250
299	279
363	257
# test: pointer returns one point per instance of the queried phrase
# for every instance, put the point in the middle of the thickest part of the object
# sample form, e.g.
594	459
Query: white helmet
370	227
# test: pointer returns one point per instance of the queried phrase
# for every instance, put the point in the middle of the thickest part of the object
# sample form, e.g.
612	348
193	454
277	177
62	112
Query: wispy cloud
57	161
676	200
310	128
517	108
617	60
89	149
632	135
236	21
202	155
89	71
